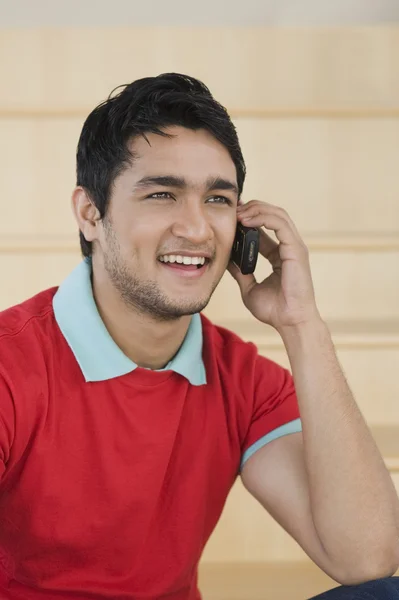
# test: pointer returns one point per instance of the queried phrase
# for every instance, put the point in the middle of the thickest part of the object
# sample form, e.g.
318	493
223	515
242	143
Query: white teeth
186	260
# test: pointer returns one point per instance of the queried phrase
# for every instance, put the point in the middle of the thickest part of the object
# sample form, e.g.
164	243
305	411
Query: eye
160	195
219	200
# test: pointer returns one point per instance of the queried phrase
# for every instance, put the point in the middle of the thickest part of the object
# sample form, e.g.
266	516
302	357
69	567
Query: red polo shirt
111	488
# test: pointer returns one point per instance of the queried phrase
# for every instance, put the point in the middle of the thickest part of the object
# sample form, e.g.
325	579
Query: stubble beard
145	297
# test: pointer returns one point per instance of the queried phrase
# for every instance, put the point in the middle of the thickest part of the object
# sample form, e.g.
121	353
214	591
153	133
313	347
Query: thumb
245	282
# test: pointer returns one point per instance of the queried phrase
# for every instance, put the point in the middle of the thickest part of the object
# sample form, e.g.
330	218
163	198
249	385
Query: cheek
226	229
141	236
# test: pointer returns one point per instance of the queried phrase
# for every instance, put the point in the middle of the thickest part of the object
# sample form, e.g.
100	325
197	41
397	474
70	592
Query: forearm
353	501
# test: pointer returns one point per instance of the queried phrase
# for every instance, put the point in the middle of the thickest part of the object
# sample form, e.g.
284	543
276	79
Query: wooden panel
246	533
338	175
37	175
253	67
368	352
371	371
348	333
353	286
387	439
372	377
370	242
331	176
262	581
24	276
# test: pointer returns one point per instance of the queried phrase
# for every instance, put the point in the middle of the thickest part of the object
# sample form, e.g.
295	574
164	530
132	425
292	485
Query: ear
86	214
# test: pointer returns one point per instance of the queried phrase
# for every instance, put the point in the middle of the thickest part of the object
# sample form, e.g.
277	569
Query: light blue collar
98	355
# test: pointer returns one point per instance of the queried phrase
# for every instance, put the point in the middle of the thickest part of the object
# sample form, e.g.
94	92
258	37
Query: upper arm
273	464
276	476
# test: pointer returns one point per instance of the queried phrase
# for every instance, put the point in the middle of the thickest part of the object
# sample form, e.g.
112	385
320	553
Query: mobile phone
245	248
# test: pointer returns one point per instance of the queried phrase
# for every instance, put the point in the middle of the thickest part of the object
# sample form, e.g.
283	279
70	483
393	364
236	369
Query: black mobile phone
245	248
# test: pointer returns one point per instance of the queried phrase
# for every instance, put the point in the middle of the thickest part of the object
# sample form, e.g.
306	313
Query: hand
286	298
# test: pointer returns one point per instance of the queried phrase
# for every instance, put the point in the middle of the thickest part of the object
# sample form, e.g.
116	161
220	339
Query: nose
192	223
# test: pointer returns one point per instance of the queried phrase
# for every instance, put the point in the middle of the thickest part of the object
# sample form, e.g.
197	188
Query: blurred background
313	87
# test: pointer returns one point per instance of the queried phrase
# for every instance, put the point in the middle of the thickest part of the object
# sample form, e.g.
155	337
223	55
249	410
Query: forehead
194	154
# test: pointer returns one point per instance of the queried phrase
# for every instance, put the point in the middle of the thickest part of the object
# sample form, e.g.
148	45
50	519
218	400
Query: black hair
147	105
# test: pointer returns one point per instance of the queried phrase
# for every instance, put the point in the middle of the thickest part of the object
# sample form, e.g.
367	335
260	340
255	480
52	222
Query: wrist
305	332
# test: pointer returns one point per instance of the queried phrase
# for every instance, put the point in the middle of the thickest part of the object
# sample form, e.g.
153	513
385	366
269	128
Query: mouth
191	270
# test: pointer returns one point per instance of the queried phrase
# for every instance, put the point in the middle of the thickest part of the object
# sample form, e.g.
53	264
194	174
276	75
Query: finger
255	207
282	228
245	282
269	248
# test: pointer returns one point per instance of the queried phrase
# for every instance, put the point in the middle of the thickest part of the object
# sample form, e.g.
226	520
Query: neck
147	342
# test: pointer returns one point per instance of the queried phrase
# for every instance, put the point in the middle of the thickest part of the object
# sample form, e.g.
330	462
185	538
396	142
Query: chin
176	310
190	308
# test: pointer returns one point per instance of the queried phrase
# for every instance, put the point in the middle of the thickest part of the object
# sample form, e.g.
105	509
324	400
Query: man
126	415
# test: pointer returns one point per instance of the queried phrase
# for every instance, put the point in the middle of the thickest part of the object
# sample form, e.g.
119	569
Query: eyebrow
212	183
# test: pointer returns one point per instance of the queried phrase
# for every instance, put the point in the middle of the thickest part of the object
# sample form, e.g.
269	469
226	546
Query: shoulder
14	319
24	330
240	358
259	392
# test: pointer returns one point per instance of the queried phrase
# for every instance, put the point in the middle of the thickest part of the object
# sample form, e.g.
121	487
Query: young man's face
150	223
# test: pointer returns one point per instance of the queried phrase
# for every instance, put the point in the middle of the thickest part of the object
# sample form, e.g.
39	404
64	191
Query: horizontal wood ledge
295	112
262	581
346	333
271	580
372	242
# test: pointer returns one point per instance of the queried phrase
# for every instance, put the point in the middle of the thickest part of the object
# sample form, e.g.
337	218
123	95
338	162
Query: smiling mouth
186	271
191	266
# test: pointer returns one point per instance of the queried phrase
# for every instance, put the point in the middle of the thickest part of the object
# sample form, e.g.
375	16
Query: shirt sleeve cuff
291	427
